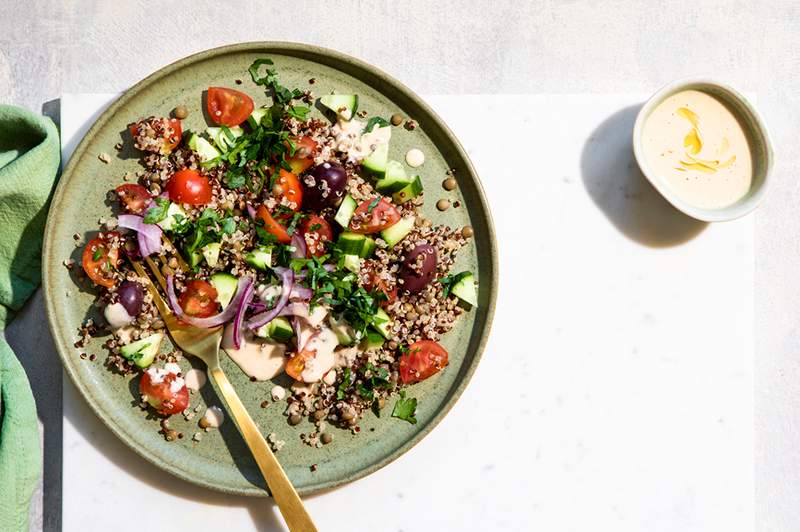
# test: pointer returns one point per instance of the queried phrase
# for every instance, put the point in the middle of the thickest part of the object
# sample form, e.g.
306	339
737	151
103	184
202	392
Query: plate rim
287	48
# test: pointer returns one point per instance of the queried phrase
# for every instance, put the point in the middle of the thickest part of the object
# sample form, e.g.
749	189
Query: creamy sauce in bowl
699	148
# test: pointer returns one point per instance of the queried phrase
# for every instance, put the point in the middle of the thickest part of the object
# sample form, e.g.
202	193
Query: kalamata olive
131	295
418	269
329	181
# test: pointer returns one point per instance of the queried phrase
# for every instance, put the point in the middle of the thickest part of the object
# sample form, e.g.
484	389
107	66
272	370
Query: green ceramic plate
220	460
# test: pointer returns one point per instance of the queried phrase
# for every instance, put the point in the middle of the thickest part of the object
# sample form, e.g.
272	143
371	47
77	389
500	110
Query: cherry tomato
161	397
290	188
375	283
423	359
171	141
227	106
188	186
305	149
199	299
296	364
272	226
317	232
133	197
372	216
100	259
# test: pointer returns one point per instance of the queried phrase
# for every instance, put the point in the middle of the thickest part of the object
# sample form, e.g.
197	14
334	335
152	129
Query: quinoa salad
301	237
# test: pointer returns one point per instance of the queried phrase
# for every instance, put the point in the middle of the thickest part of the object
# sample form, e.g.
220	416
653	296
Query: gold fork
204	344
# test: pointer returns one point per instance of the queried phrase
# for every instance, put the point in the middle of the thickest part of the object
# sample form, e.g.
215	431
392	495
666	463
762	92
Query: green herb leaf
345	384
299	112
98	253
373	204
375	120
449	280
228	225
158	212
405	409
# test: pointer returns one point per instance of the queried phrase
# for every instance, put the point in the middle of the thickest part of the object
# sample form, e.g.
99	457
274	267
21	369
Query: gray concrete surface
48	48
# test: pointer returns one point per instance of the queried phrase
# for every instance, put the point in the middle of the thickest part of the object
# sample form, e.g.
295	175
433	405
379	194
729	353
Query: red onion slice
301	292
251	211
247	296
262	318
212	321
299	245
148	235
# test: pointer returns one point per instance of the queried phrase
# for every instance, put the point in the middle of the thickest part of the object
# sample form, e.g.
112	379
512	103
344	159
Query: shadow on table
616	185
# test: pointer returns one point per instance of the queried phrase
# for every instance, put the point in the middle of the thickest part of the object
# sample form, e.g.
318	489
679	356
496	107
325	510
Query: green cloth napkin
29	159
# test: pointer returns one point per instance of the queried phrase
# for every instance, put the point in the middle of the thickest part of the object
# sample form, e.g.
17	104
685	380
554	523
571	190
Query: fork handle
282	490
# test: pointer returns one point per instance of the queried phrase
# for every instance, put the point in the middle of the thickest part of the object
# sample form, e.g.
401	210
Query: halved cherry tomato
100	258
375	283
423	359
290	188
133	197
160	395
188	186
171	141
227	106
295	366
305	149
273	227
372	216
199	299
317	232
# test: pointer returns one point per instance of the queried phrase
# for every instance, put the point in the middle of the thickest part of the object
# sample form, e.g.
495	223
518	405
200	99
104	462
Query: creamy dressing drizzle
698	146
415	157
261	360
214	416
195	379
357	146
323	344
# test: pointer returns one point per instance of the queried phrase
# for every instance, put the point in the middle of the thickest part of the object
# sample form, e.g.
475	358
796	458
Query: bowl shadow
617	186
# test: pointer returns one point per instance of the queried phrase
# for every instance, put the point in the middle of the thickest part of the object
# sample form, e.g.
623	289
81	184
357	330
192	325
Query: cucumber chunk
254	120
174	211
375	163
346	210
394	234
344	333
410	192
203	148
372	340
142	352
211	253
217	134
351	243
260	258
344	105
395	179
352	263
383	323
226	285
466	290
368	249
279	329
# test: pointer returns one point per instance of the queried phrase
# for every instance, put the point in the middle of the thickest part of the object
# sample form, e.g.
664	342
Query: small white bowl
755	130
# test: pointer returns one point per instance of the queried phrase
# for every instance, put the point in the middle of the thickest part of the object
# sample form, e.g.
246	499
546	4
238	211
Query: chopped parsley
158	212
373	377
98	254
448	281
375	120
299	112
347	378
405	408
373	204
